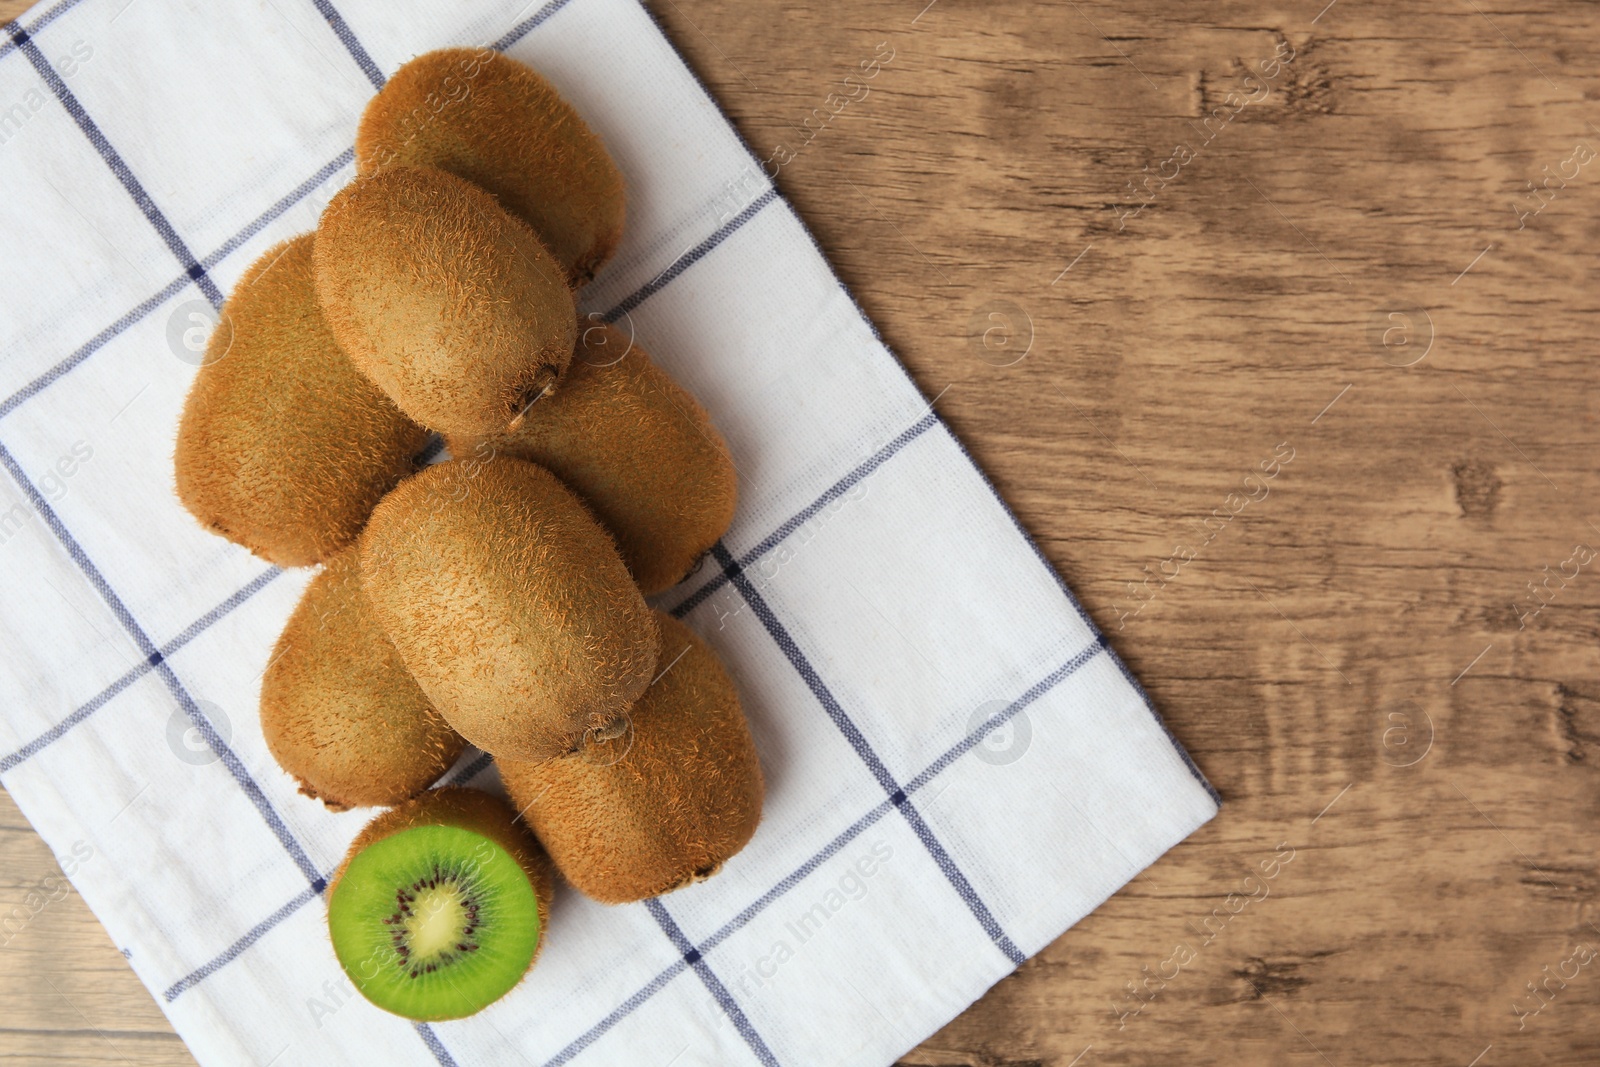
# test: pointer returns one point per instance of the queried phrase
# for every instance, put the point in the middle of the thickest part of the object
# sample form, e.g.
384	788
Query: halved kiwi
440	906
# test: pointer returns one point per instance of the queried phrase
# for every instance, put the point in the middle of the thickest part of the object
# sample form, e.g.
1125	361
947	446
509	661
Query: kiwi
489	119
662	803
440	906
340	711
284	446
508	604
449	304
637	448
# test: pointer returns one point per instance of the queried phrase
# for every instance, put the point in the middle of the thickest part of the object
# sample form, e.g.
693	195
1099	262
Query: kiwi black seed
491	120
452	306
636	447
509	605
663	802
440	906
284	446
340	711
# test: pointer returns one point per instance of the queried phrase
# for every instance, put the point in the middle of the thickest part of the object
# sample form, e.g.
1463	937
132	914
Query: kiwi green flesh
435	922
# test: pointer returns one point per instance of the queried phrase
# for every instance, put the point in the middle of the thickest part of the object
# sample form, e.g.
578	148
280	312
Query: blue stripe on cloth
471	770
435	1046
60	729
212	617
430	450
347	37
287	201
693	958
800	873
805	514
1072	599
528	25
229	954
690	258
193	630
147	648
1005	715
858	741
48	16
118	165
241	775
796	876
620	1012
49	377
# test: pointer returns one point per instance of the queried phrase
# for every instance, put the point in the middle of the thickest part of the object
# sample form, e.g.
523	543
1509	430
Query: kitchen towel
958	767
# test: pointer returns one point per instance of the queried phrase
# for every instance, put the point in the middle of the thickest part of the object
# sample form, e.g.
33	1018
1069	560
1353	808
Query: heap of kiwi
495	598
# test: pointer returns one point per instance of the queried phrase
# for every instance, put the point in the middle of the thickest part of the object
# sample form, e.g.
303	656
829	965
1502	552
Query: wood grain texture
1349	648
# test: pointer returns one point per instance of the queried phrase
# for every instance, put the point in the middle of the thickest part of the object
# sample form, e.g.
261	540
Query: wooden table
1385	654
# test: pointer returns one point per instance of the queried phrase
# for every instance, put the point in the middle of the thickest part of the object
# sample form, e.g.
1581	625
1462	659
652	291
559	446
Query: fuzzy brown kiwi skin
664	804
284	446
468	809
449	304
509	604
636	447
339	710
495	122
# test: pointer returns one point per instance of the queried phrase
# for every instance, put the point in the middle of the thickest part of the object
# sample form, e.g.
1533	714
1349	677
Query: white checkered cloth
958	768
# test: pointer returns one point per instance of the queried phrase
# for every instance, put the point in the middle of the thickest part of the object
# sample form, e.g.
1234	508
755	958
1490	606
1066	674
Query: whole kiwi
493	121
339	710
449	304
658	804
509	605
441	905
636	447
284	446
